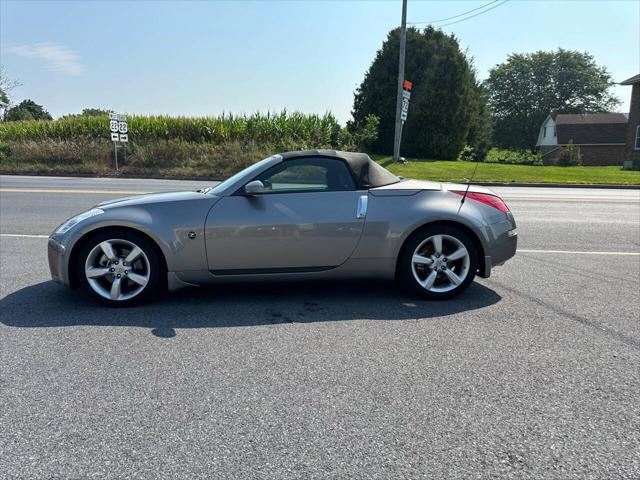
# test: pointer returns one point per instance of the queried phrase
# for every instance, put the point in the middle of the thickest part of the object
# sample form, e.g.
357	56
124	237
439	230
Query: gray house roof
631	81
590	118
592	128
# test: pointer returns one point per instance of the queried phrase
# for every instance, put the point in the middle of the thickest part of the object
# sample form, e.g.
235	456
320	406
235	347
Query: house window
637	145
544	134
555	131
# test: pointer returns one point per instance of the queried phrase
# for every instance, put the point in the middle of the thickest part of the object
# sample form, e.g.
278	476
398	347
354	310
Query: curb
208	179
559	185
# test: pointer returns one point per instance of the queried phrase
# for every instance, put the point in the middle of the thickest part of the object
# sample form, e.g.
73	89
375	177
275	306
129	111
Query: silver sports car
319	214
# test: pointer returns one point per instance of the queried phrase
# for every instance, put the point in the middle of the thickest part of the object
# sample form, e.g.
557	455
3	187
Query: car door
306	219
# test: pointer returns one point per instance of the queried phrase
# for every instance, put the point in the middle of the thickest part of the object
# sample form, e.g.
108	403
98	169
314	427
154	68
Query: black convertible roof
366	172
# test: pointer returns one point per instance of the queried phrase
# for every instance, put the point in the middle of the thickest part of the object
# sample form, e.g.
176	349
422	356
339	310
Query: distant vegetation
452	115
529	86
27	110
180	146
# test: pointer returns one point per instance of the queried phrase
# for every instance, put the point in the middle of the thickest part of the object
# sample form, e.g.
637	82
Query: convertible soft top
366	173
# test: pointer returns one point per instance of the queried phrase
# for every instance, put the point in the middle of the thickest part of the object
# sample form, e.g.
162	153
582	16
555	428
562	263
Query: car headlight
73	221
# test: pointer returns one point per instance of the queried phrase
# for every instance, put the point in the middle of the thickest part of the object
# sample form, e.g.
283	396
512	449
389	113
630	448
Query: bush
169	157
513	157
72	152
179	158
468	154
569	156
353	138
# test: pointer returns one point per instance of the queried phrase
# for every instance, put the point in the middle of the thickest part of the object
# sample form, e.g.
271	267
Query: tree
27	110
95	112
6	85
481	123
443	88
528	87
88	112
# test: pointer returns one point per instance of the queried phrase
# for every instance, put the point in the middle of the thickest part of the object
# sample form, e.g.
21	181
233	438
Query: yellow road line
69	190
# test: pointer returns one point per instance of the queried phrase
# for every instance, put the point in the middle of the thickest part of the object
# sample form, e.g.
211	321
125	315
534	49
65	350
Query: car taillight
491	200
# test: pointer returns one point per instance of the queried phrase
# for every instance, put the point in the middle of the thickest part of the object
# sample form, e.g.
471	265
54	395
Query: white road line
576	252
634	201
20	235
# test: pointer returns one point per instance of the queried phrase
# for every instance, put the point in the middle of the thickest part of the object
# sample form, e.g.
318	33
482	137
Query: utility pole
403	43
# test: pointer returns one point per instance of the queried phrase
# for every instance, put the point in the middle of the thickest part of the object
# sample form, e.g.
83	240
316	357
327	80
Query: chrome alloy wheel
440	263
117	269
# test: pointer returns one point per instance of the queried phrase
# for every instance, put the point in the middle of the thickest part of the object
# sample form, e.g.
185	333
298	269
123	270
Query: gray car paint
352	247
283	231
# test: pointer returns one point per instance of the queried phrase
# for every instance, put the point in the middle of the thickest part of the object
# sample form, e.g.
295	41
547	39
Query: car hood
151	198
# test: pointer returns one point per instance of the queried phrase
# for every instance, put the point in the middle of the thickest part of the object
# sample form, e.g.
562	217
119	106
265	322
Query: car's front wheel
438	262
119	268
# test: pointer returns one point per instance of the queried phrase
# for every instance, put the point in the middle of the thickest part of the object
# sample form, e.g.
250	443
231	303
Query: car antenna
464	197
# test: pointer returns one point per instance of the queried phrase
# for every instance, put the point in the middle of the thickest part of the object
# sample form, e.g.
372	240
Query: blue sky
203	58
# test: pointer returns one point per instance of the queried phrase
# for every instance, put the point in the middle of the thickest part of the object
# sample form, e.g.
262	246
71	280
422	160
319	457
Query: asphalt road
533	373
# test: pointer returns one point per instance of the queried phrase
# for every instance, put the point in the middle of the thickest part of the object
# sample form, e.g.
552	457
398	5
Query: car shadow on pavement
239	305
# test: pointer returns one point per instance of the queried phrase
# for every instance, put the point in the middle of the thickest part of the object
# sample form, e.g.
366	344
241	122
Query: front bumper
57	254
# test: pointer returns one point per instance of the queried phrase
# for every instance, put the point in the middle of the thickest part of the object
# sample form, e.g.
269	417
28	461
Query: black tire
406	269
150	260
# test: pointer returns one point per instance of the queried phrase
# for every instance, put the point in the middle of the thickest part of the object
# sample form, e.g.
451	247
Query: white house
548	134
599	136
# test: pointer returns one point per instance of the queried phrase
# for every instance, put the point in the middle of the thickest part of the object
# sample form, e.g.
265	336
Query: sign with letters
406	95
119	127
119	131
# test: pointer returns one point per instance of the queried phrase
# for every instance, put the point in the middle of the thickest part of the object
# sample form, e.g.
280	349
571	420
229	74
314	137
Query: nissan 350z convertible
318	214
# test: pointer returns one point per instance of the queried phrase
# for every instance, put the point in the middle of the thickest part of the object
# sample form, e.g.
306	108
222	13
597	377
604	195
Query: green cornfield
214	146
283	127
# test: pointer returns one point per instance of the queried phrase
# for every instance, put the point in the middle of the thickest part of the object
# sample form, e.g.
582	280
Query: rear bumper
502	247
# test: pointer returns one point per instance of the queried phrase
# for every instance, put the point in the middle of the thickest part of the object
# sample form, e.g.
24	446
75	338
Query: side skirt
270	271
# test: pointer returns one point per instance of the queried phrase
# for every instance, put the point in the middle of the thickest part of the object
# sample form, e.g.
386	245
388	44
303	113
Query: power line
455	16
479	13
463	14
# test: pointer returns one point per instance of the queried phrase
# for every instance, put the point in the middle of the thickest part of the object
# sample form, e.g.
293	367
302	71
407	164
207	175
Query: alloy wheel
440	263
117	269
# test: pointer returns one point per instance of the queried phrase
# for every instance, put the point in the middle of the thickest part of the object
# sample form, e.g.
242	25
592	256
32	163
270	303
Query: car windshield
221	187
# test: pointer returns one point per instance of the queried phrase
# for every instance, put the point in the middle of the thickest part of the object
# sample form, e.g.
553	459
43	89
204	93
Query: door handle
361	211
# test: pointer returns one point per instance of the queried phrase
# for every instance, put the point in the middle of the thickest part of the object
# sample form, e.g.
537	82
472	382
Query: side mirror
254	188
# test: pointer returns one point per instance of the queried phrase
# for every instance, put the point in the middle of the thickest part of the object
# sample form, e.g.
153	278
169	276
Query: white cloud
57	57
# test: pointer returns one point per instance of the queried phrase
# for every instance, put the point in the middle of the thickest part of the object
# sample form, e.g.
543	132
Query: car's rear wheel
438	262
119	268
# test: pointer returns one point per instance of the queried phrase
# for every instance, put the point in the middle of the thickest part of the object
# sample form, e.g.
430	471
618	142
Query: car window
221	187
308	174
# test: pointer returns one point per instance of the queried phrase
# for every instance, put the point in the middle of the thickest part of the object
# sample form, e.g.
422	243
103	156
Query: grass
216	147
458	171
